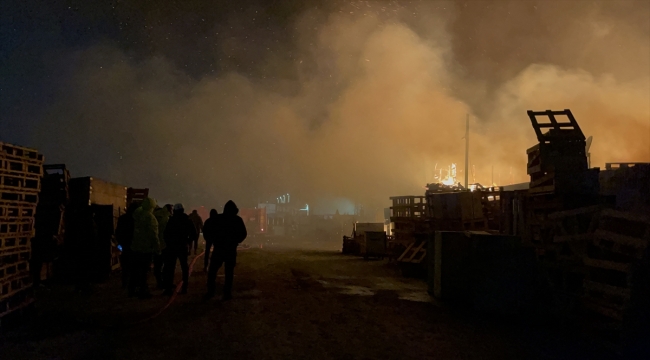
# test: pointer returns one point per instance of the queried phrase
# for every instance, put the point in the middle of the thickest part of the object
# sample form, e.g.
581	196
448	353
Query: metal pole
467	152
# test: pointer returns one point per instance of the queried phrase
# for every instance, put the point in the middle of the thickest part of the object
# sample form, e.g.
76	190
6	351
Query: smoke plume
365	101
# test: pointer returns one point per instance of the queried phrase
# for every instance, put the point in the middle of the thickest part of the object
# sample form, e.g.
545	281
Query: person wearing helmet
145	244
231	232
180	231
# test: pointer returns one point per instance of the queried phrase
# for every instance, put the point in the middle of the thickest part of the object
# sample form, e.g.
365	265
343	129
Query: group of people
162	236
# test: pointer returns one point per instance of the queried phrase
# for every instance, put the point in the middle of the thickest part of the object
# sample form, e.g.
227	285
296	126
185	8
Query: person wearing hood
198	226
210	230
180	231
124	236
162	215
145	245
231	232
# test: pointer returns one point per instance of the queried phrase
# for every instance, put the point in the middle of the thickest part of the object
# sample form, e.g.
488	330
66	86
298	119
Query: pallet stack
97	204
20	182
410	230
456	211
560	200
616	284
136	195
408	216
50	220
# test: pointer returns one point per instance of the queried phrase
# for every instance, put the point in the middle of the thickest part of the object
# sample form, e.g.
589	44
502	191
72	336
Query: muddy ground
288	304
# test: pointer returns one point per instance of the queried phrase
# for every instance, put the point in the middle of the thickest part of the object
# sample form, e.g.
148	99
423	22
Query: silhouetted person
231	232
145	245
180	231
124	236
210	231
198	227
162	216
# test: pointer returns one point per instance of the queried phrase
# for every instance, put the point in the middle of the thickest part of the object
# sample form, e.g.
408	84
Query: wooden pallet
9	165
15	284
20	152
414	253
17	272
618	246
14	241
23	226
15	302
19	183
18	197
15	211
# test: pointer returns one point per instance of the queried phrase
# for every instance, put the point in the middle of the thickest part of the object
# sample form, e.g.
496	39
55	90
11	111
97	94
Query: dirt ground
288	304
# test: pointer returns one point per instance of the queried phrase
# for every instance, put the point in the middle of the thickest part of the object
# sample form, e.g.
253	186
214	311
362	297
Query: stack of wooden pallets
50	219
559	177
616	285
20	182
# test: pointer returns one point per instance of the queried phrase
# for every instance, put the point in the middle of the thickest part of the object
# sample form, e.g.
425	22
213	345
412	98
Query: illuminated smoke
380	99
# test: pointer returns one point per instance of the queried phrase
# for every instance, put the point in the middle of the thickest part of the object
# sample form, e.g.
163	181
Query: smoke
375	103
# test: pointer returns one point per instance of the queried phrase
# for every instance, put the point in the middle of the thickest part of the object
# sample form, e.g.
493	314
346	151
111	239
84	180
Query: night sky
208	100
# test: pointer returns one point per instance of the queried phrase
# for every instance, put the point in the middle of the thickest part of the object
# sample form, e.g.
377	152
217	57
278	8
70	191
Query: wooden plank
594	306
415	252
423	255
405	252
568	238
542	189
574	212
634	217
621	239
606	264
606	289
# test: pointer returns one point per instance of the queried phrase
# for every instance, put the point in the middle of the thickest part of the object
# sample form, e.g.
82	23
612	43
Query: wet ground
287	304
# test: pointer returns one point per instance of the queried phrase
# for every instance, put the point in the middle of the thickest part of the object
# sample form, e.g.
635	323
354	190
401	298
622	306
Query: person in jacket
198	226
124	236
145	245
231	232
162	215
180	231
210	230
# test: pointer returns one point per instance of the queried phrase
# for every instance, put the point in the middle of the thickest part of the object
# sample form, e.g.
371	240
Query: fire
450	178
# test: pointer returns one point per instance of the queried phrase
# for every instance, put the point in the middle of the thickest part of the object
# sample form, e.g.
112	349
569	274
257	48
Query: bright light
450	178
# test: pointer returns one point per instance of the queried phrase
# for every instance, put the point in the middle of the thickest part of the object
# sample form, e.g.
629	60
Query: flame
450	178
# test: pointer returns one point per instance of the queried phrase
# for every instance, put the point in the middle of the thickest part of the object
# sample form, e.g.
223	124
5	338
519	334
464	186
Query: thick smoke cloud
377	105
